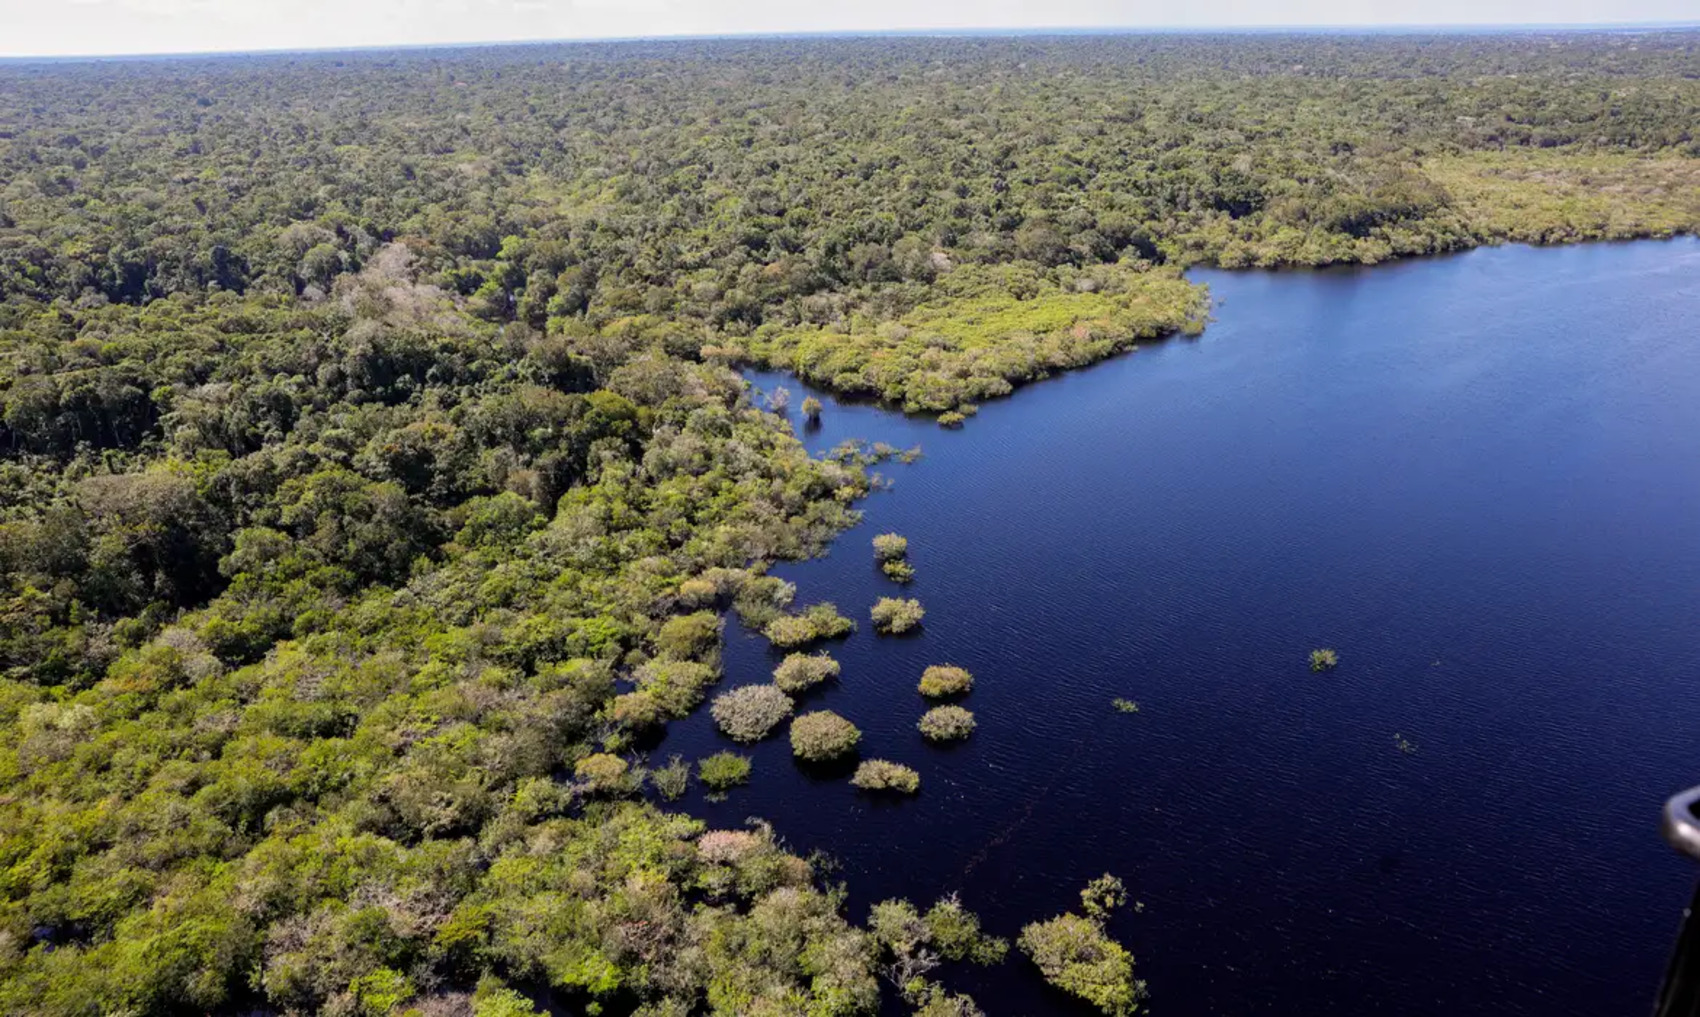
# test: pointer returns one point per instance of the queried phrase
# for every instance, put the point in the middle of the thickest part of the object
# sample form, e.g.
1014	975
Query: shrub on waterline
893	616
723	771
884	775
942	680
750	713
823	735
800	672
946	724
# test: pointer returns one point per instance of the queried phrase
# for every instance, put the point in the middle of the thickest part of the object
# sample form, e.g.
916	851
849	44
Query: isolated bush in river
884	775
811	409
898	571
817	622
946	724
890	547
750	713
672	780
723	770
942	680
1323	660
1077	955
802	671
823	735
893	616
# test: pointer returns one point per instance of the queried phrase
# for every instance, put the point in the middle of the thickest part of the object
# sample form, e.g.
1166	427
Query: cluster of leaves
948	723
822	735
1077	955
939	681
751	712
800	672
895	616
884	775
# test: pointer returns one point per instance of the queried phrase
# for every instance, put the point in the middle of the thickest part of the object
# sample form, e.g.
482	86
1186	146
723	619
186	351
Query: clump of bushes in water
891	547
884	775
946	724
723	771
750	713
951	419
1323	660
1077	955
911	945
895	617
892	553
672	780
800	672
811	410
942	680
1124	705
817	622
822	735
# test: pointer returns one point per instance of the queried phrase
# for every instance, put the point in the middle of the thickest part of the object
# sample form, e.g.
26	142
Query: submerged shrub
750	713
802	671
946	724
1323	660
884	775
889	547
945	680
898	571
817	622
894	617
823	735
1075	954
723	770
951	419
811	409
672	780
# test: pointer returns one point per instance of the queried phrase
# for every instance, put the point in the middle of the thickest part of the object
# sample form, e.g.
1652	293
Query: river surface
1477	477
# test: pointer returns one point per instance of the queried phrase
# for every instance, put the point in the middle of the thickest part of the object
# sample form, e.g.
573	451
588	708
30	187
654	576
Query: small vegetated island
374	477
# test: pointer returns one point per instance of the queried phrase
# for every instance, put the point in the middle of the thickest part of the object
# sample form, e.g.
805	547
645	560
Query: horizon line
1455	28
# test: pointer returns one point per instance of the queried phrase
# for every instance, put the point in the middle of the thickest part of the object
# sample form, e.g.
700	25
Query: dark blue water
1477	477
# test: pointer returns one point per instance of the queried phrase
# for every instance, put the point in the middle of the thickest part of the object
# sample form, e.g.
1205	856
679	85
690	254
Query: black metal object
1680	996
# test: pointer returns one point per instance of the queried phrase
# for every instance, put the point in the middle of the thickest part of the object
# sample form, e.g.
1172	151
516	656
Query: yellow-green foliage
817	622
894	616
1546	197
884	775
985	329
800	672
823	735
946	724
723	770
602	772
942	680
1076	955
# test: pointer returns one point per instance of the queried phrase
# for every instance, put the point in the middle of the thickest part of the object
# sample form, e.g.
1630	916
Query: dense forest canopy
374	479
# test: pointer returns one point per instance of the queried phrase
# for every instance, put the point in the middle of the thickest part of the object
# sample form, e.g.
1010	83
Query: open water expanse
1477	477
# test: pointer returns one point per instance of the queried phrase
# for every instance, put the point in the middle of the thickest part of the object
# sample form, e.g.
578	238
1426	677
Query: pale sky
67	27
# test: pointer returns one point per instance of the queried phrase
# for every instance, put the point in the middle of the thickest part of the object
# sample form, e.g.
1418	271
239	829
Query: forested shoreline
376	476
